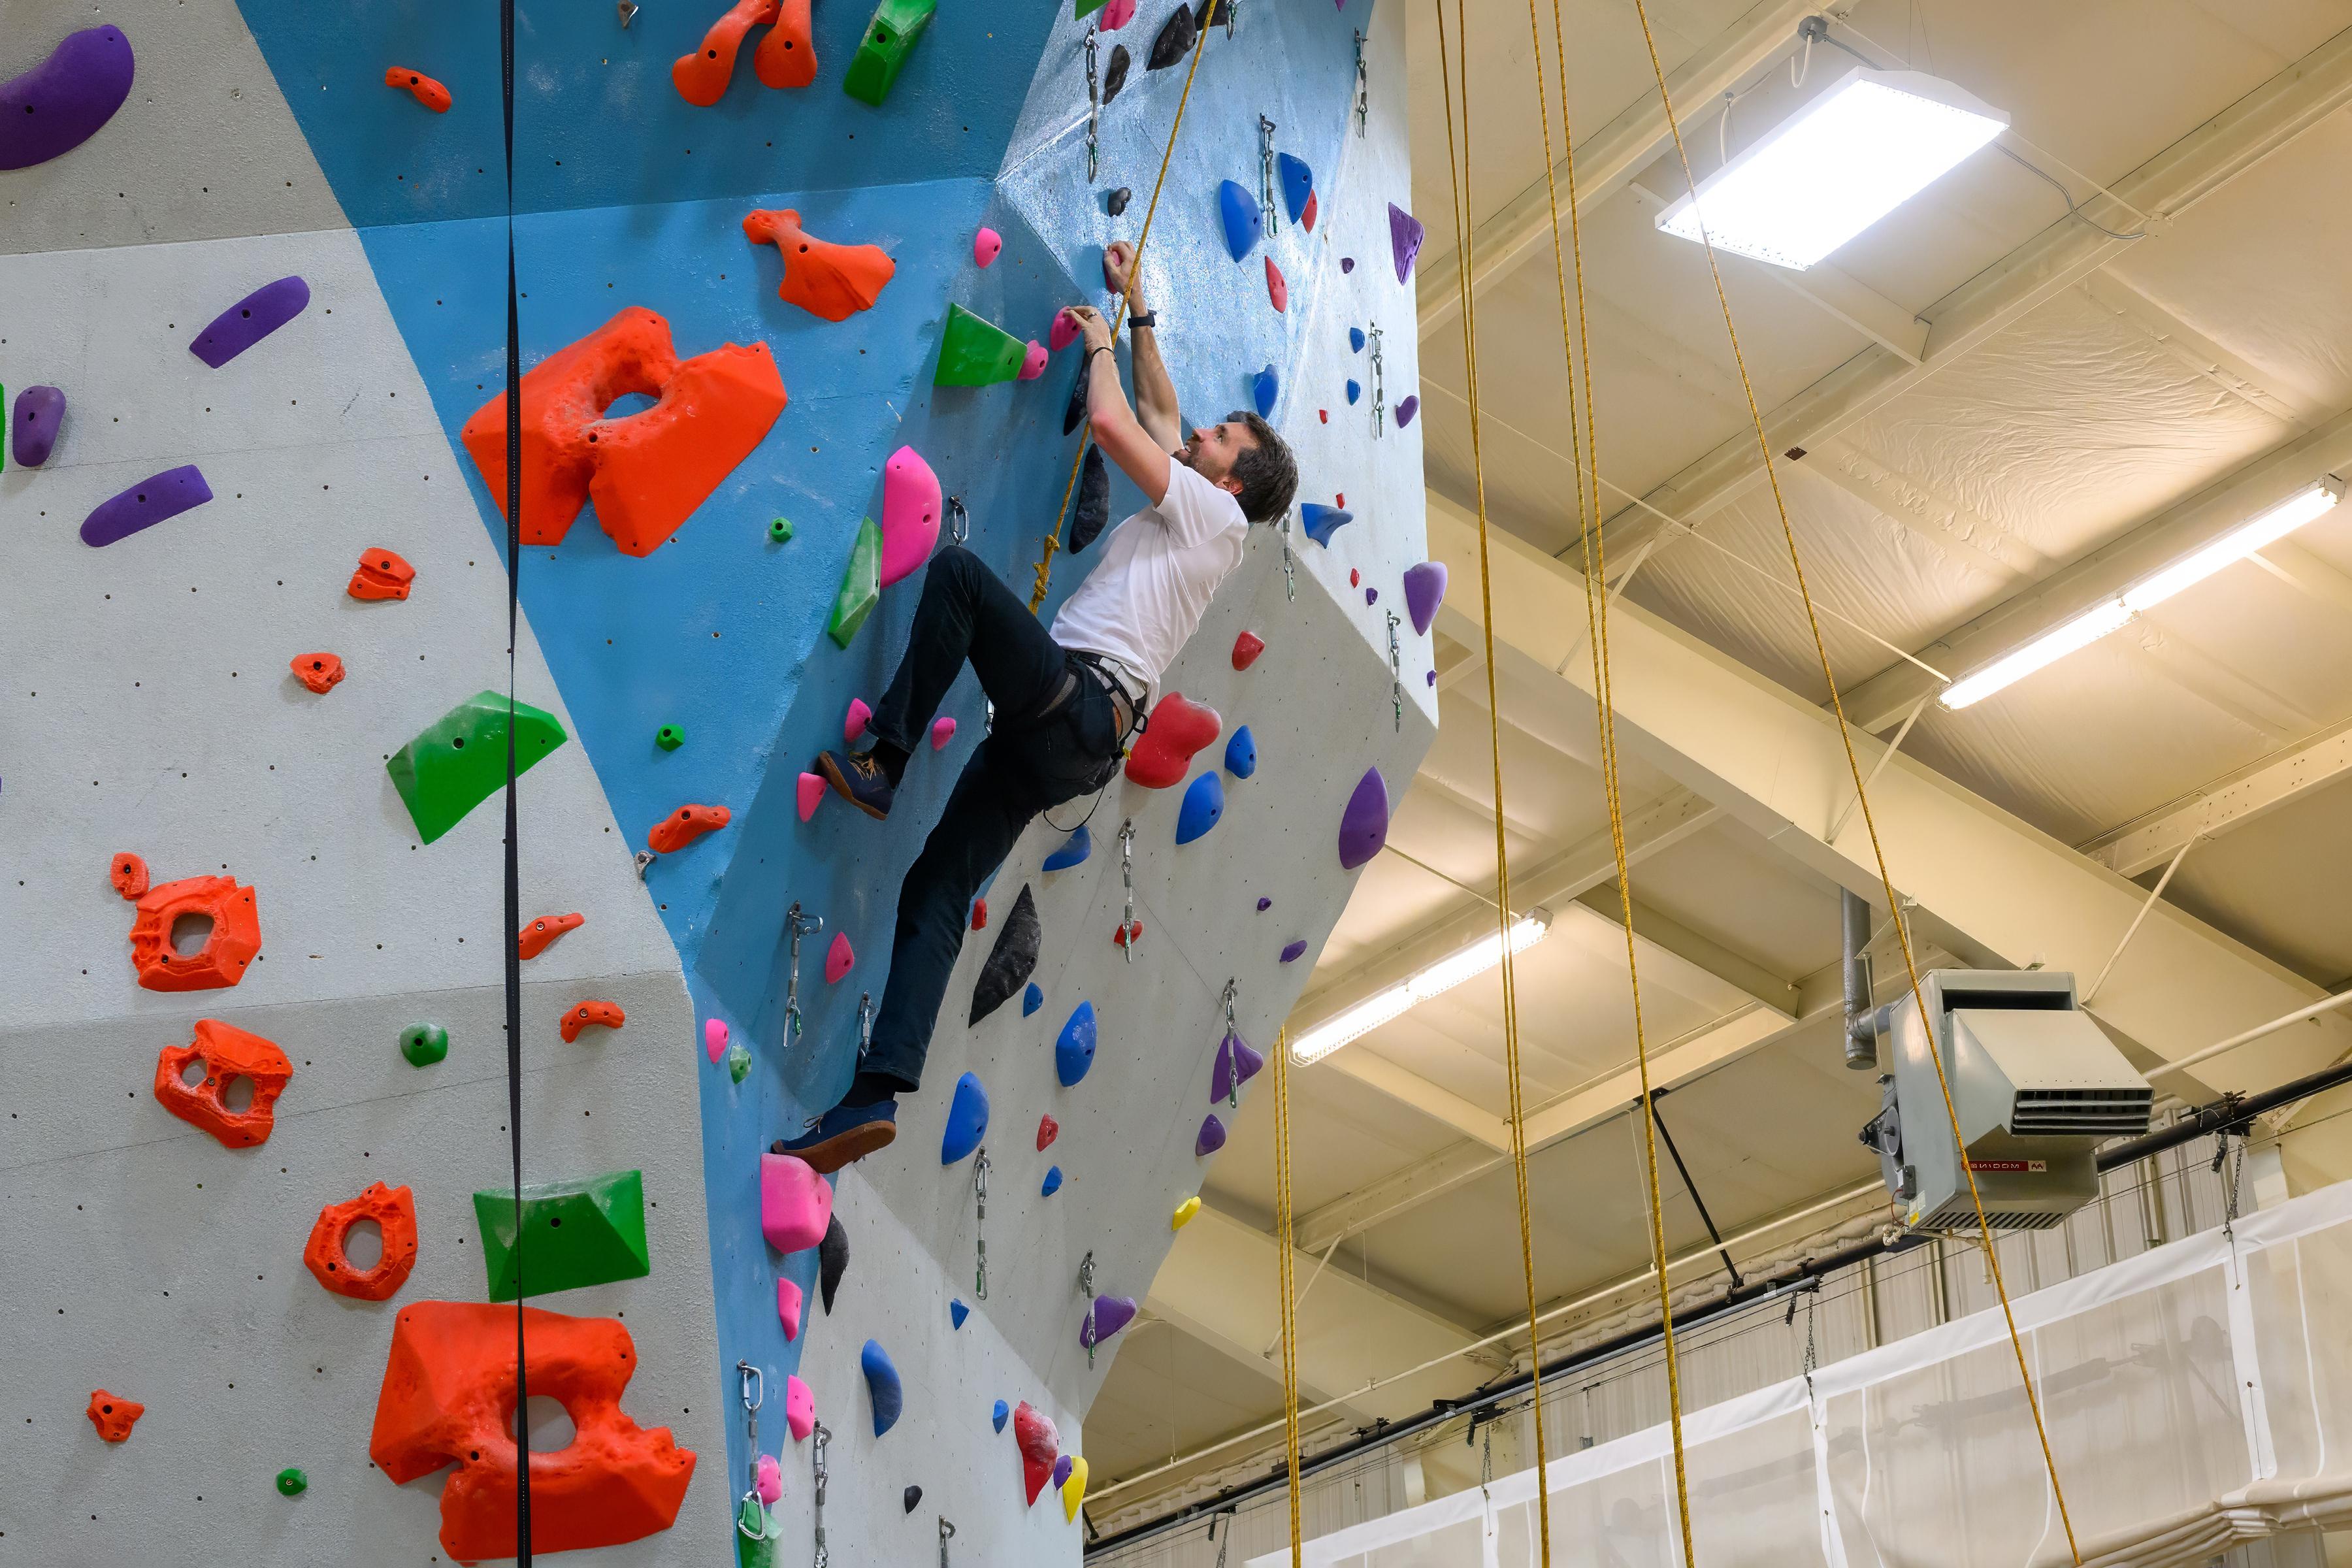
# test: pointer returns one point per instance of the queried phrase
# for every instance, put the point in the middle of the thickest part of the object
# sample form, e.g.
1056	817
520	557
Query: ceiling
1988	415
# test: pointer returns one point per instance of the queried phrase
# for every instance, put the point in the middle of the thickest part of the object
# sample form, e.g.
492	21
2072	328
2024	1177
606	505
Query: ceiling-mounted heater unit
2037	1086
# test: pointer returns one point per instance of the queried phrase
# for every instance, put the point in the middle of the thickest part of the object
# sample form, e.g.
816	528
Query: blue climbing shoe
858	779
843	1135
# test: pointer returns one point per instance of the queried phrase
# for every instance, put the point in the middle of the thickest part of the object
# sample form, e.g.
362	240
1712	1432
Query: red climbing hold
382	575
1354	577
227	1053
1178	729
318	672
834	281
1306	214
1324	415
420	86
1276	288
1047	1130
607	1015
129	874
1127	935
683	826
535	938
448	1397
393	1209
1247	647
114	1416
1040	1447
645	471
839	958
236	934
979	914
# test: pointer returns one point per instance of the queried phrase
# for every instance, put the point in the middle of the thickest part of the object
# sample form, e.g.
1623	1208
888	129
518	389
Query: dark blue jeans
1057	738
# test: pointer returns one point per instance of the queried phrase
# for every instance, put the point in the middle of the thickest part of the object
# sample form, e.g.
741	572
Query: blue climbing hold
1002	1414
956	1312
1052	1181
1264	387
1355	340
1074	851
966	1120
1203	803
1355	391
1073	1051
1298	185
1322	521
882	1383
1244	224
1032	999
1240	753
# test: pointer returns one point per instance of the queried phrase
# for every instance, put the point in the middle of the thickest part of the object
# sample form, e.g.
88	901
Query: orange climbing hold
114	1416
318	672
683	826
448	1397
835	281
129	874
420	86
606	1014
393	1209
535	938
787	55
786	58
235	932
382	575
228	1054
645	471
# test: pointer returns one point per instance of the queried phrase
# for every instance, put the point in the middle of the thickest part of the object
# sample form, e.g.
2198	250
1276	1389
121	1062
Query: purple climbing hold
251	320
152	500
1210	1139
1371	596
1293	952
1431	675
1424	590
1364	824
1405	234
1406	410
1237	1064
33	426
1346	265
1263	905
1061	1471
1109	1314
64	101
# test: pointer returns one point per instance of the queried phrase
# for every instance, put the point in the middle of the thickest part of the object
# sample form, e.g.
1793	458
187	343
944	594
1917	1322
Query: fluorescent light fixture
1444	976
1846	159
2266	528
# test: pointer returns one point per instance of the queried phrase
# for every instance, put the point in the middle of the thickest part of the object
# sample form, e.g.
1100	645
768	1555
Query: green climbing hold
861	585
755	1535
587	1232
292	1481
976	352
895	26
460	759
424	1044
739	1062
670	737
780	529
1080	9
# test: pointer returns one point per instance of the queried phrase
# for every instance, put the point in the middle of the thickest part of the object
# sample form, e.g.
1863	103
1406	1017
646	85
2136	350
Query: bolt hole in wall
190	932
551	1424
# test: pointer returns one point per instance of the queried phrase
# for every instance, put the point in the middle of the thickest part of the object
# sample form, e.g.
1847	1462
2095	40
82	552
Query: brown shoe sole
833	776
846	1148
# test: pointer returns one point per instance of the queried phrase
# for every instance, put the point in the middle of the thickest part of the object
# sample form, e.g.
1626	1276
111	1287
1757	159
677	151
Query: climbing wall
677	644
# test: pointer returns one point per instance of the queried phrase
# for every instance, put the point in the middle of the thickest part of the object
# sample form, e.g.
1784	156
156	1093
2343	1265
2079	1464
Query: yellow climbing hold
1074	1490
1184	1212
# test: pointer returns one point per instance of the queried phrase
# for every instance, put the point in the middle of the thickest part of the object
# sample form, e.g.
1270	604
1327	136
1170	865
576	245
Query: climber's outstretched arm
1121	435
1155	395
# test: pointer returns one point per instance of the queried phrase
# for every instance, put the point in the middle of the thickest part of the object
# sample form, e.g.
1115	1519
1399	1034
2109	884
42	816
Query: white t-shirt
1160	568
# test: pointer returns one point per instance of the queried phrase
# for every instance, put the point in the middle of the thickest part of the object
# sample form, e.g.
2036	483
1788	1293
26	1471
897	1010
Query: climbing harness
796	925
753	1391
947	1534
1087	1288
959	521
1289	562
819	1437
1363	88
1233	1032
1094	104
1379	391
1127	875
1396	673
864	1024
1285	1226
980	1221
1267	203
1053	542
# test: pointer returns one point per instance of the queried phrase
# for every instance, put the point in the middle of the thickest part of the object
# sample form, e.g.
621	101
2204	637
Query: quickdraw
797	925
1363	89
1127	875
980	1221
1094	108
1396	673
753	1391
1267	203
1379	391
817	1440
1087	1289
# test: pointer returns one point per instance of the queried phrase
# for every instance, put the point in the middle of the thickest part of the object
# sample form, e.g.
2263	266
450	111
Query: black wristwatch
1143	318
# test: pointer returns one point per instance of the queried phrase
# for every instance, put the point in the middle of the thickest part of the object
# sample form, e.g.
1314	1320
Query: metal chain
753	1390
866	1015
1289	562
822	1436
1233	1032
1396	673
1094	106
1127	875
1363	89
1087	1288
1229	1516
1265	173
947	1534
1380	392
798	925
980	1223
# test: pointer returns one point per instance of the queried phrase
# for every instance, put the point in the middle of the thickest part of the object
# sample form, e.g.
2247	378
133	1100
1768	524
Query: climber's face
1211	451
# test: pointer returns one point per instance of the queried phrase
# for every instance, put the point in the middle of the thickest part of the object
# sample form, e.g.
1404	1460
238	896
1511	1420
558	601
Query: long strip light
2266	528
1850	156
1467	963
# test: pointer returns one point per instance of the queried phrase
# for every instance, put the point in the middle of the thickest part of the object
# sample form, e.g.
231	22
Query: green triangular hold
460	759
861	585
587	1232
974	353
1086	7
895	26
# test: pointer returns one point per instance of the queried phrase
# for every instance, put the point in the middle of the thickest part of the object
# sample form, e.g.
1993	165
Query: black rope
513	862
1692	1188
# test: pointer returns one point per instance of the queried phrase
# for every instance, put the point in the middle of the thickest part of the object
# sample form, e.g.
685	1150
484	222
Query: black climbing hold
1207	12
1093	501
1115	74
1012	961
1116	203
832	1262
1075	414
1175	40
914	1497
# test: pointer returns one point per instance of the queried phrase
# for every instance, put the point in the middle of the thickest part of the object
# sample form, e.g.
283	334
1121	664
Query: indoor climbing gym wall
789	282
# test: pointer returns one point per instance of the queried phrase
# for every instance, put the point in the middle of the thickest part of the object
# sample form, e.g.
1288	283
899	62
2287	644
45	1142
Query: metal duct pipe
1861	1029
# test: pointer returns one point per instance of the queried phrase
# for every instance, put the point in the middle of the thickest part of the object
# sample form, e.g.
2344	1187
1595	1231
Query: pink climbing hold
853	725
714	1038
910	514
1116	13
839	958
813	789
771	1484
986	245
795	1203
1032	363
1063	332
800	1407
942	732
788	1307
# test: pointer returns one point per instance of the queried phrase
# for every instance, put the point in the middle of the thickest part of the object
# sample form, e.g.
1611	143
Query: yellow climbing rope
1052	541
1458	177
1862	795
1285	1218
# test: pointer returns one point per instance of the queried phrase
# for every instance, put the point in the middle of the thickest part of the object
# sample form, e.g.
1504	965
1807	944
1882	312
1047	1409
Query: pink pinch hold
853	725
1063	332
812	790
795	1202
788	1307
714	1038
1117	13
1032	363
910	514
986	245
771	1480
942	732
839	958
800	1407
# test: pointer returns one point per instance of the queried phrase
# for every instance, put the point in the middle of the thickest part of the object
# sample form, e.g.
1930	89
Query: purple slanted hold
65	100
145	504
1364	824
33	427
1062	1468
1346	265
1292	952
1406	410
251	320
1371	596
1110	1314
1405	234
1210	1139
1237	1064
1424	590
1263	905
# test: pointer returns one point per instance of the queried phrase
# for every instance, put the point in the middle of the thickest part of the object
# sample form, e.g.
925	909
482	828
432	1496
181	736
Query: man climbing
1066	699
